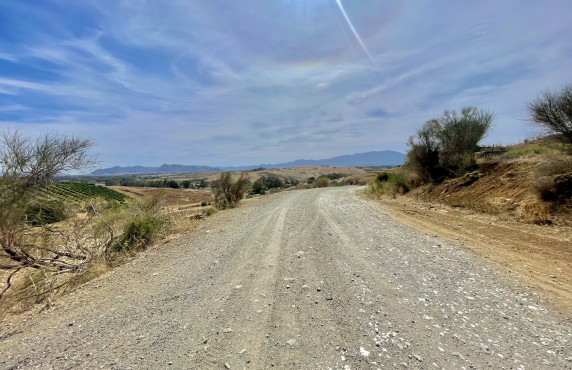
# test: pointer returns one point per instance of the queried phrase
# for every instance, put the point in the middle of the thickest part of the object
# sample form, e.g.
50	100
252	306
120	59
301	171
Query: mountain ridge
373	158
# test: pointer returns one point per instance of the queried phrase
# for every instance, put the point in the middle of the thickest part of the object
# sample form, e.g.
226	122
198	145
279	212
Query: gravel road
311	279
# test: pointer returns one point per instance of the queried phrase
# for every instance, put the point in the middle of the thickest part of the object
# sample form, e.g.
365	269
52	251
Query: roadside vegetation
55	236
272	182
228	192
148	181
531	181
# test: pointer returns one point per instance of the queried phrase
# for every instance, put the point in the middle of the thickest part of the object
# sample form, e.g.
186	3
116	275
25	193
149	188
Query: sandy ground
310	279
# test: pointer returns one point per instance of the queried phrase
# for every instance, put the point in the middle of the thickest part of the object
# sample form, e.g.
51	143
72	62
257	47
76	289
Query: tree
423	156
552	112
460	135
186	184
173	184
447	145
258	186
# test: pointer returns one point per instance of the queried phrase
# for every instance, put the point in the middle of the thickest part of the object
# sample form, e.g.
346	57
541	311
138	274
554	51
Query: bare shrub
27	164
552	112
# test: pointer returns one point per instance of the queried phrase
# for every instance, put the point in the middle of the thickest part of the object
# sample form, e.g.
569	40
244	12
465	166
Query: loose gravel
307	279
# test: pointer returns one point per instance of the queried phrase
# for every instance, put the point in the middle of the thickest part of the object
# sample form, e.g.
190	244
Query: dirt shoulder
538	256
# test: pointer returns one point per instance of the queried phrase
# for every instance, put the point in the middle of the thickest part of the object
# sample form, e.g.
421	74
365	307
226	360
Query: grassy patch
392	183
530	150
139	232
209	211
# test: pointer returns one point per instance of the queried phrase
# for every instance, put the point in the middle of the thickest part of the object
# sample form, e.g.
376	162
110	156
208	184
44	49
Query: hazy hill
141	170
383	158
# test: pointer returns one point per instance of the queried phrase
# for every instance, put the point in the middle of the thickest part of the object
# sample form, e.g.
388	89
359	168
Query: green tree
446	146
173	184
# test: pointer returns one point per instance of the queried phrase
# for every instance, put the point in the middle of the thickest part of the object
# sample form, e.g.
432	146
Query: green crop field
79	192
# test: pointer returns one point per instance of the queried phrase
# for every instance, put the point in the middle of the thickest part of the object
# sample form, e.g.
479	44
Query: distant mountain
141	170
383	158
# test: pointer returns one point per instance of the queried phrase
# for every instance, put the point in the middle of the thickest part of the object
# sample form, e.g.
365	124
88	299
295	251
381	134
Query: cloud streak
231	83
355	32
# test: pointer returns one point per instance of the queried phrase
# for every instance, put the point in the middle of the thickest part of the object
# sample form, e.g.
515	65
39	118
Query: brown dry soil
301	173
504	188
172	199
498	216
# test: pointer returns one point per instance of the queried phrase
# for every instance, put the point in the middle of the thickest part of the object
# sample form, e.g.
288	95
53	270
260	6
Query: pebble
291	342
226	366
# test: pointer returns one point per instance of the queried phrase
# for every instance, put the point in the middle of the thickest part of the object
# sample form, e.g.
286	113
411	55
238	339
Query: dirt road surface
312	279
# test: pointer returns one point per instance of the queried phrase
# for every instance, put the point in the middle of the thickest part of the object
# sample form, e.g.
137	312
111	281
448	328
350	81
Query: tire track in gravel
238	331
299	280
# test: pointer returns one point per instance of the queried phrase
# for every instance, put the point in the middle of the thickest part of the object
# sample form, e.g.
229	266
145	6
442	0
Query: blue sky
227	82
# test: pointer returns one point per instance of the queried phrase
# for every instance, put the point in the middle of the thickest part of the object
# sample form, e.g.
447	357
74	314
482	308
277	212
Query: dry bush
209	211
227	192
41	262
322	182
552	112
552	180
392	183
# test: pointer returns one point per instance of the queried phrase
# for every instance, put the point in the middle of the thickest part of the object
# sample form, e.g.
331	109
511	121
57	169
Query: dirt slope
298	280
504	188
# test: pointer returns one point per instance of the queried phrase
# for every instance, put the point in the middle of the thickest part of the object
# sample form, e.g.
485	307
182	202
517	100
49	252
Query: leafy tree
447	145
186	184
258	186
423	156
552	112
173	184
203	183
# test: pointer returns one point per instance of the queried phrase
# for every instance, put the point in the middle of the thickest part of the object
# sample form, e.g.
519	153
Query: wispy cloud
226	82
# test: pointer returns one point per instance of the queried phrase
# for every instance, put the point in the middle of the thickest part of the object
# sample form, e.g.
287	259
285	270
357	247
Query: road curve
311	279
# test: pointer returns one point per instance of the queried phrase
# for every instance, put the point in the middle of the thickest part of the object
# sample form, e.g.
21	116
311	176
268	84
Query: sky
241	82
